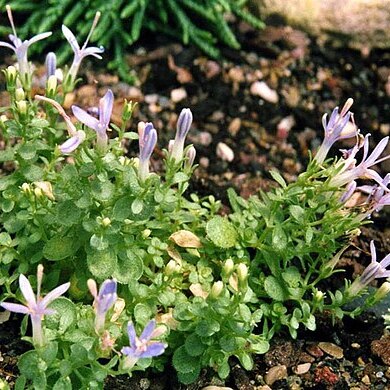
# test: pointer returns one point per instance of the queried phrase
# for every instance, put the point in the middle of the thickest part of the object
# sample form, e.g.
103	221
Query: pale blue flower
336	129
20	48
80	53
76	136
351	171
182	128
103	301
99	125
36	306
143	346
147	141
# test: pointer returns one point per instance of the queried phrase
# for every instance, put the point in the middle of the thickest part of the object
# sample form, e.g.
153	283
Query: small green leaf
183	362
63	383
129	267
101	264
142	313
64	316
59	248
297	212
245	360
279	238
207	328
278	178
122	209
5	239
193	345
273	288
137	206
29	364
68	213
221	232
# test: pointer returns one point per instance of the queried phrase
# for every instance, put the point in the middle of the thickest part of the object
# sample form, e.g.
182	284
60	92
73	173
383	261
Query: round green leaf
59	248
142	313
130	268
183	362
274	289
101	264
64	316
221	232
68	213
193	345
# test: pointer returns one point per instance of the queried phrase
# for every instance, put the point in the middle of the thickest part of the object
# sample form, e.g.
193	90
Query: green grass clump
198	22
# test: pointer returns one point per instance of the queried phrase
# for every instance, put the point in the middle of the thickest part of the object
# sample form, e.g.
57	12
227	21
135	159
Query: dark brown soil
309	79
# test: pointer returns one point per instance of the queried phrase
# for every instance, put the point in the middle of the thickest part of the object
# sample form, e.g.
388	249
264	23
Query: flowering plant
196	286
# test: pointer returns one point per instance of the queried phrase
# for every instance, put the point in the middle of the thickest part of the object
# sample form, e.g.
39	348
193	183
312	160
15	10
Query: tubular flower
143	346
147	141
374	271
20	48
51	64
352	172
80	53
103	300
99	125
182	128
336	129
36	306
76	136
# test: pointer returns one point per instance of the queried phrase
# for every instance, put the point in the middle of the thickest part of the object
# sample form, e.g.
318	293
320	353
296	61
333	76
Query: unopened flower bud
51	85
51	64
128	109
38	192
382	291
242	275
318	296
106	222
26	188
228	267
171	268
242	272
3	118
19	94
10	75
191	154
22	107
46	188
146	233
216	289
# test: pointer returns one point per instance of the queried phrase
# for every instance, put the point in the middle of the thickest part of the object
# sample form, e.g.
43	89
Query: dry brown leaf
186	239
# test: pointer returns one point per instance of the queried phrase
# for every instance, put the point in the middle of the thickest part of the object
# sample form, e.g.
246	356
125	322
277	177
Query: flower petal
5	44
149	328
15	307
54	294
38	37
132	334
376	152
70	38
85	118
105	108
27	291
72	143
128	351
153	349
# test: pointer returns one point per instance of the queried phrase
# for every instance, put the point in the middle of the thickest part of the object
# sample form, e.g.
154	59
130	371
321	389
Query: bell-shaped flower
20	48
99	125
147	141
182	128
337	128
80	53
375	270
143	346
36	306
76	136
103	300
363	170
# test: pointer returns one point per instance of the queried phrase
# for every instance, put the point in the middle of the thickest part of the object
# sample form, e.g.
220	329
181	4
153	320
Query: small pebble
224	152
332	350
178	94
302	368
355	345
314	350
275	373
151	98
260	88
216	388
366	380
234	126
